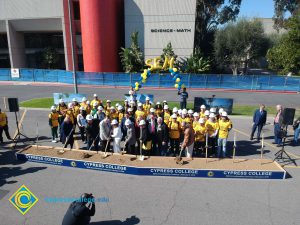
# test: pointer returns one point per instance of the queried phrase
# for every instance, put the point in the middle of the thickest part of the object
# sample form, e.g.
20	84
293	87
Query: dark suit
162	136
259	120
153	135
277	129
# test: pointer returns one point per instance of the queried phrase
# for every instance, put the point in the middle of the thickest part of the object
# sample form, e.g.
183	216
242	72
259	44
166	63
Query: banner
139	97
67	97
225	103
15	73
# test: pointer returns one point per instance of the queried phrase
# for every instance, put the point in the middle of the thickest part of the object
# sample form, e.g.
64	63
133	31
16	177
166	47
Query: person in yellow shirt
53	123
121	113
70	113
3	126
174	134
113	114
212	128
200	132
61	109
139	112
76	108
147	106
166	114
88	108
184	117
195	120
83	102
202	111
96	99
206	115
159	109
225	126
190	116
108	106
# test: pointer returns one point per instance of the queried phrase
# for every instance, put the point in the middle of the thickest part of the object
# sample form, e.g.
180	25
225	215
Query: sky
257	8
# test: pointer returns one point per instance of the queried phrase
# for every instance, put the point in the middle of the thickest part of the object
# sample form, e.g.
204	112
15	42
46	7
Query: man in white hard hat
117	136
95	108
190	116
225	126
174	134
212	127
147	106
202	111
96	99
195	119
130	138
166	114
105	130
53	123
158	109
139	112
200	132
100	115
206	115
92	133
107	106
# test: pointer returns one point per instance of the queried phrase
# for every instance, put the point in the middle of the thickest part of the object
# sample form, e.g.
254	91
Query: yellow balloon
175	70
177	80
137	84
145	71
136	88
176	85
144	81
183	86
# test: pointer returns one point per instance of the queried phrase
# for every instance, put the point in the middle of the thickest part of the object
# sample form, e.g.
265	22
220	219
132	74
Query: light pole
72	48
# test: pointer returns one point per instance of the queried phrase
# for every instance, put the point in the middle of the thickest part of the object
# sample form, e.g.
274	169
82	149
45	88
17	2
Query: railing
221	81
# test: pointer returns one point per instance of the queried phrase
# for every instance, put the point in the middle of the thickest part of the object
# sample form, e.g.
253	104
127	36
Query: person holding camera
80	211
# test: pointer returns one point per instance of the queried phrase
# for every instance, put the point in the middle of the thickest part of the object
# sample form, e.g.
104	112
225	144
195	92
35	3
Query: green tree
238	44
132	58
169	52
285	56
196	63
209	15
281	8
50	58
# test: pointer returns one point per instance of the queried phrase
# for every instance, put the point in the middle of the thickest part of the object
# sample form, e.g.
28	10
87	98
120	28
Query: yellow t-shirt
70	114
201	114
211	127
139	113
167	117
158	112
54	119
76	110
114	116
200	132
146	108
174	130
121	115
224	128
94	100
3	118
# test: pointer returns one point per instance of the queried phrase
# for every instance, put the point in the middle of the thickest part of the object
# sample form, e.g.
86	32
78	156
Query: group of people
153	129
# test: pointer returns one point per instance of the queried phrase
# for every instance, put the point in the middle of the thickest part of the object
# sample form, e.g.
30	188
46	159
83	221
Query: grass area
243	110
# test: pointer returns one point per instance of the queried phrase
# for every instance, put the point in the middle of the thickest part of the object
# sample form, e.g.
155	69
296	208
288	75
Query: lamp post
72	47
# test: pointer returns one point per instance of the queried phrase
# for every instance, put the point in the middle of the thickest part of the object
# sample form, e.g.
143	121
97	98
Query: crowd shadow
246	148
11	167
129	221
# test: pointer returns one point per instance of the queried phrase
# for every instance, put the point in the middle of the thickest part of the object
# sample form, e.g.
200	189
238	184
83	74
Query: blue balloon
148	72
140	86
174	78
180	83
171	70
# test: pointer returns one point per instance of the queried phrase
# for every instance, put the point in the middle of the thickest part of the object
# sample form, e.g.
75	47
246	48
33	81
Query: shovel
105	153
141	157
179	158
63	150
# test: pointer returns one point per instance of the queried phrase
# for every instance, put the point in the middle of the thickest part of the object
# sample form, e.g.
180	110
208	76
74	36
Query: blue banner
139	97
144	171
67	97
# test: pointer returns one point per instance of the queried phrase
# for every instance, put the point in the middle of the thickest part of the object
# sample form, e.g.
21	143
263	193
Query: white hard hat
88	102
126	100
184	111
100	107
70	105
74	100
61	100
147	98
166	107
130	110
224	114
130	92
203	107
114	122
179	111
140	104
95	104
142	122
120	107
158	103
108	100
196	114
152	110
89	117
165	101
212	115
174	116
175	110
213	110
127	122
53	107
190	111
206	113
117	104
83	99
112	107
221	110
132	102
201	120
82	108
95	95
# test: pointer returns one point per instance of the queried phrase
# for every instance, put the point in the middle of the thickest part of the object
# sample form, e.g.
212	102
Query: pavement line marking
4	102
266	143
294	167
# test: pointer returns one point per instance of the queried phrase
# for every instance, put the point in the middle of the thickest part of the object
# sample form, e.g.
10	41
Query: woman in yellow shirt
167	114
200	131
212	128
53	123
225	126
3	126
174	134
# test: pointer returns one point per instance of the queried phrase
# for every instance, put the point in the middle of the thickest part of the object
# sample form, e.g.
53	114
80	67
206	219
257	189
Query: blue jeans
277	137
296	134
222	144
